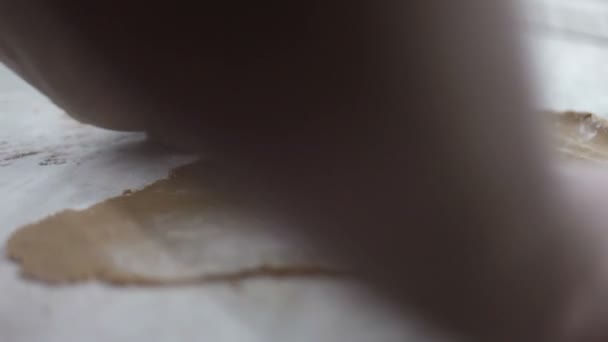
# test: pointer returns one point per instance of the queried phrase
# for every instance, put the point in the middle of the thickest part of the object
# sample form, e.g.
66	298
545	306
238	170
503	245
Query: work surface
48	163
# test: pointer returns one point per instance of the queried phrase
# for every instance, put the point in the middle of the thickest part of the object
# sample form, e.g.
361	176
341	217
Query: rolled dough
580	136
187	228
179	230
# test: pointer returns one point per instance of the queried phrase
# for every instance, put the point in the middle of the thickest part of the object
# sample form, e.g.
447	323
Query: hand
586	188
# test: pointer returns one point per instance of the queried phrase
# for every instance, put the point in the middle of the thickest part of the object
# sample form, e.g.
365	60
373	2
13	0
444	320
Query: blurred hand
586	187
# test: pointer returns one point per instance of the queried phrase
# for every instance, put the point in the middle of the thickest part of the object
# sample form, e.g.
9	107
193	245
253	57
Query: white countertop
48	163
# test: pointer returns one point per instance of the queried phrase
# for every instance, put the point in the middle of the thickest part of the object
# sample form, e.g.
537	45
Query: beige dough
580	136
178	230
